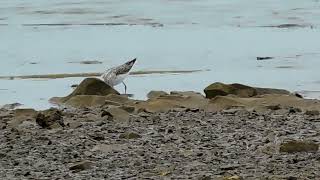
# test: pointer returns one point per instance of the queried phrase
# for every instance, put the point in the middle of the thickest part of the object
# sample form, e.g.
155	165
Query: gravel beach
180	144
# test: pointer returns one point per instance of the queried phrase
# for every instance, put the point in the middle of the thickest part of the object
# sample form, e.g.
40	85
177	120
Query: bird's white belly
117	79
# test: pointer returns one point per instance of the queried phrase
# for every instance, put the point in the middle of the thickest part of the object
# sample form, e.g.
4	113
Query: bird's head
131	63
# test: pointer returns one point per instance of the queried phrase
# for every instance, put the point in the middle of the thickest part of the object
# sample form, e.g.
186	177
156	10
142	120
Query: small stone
291	178
27	173
312	113
229	167
298	146
274	107
106	113
130	135
233	178
2	155
205	178
74	124
84	165
98	137
298	95
100	123
294	110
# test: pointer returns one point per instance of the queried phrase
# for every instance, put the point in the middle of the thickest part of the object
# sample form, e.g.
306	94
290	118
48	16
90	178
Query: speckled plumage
116	75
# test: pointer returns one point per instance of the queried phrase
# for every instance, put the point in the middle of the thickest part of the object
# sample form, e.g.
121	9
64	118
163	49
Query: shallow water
41	37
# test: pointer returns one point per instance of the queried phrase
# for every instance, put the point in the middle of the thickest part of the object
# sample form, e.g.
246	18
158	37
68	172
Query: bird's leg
125	87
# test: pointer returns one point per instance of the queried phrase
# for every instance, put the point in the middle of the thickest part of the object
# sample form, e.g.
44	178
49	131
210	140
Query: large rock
240	90
221	89
89	86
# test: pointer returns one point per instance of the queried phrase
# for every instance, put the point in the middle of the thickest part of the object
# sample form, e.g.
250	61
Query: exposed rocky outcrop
89	86
240	90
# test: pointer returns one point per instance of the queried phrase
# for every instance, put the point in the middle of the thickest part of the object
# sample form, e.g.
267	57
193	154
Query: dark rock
220	89
27	173
299	146
294	110
298	95
264	58
240	90
84	165
50	118
97	137
130	135
274	107
2	155
229	167
312	113
106	113
291	178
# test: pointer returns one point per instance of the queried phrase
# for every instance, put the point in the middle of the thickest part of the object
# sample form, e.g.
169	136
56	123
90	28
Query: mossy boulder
299	146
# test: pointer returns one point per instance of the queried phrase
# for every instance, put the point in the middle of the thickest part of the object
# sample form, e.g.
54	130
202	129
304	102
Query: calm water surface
42	37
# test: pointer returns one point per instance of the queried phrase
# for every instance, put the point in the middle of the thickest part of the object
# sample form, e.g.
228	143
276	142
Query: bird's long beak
131	62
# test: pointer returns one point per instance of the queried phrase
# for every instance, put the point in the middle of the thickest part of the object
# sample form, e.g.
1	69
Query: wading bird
116	75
